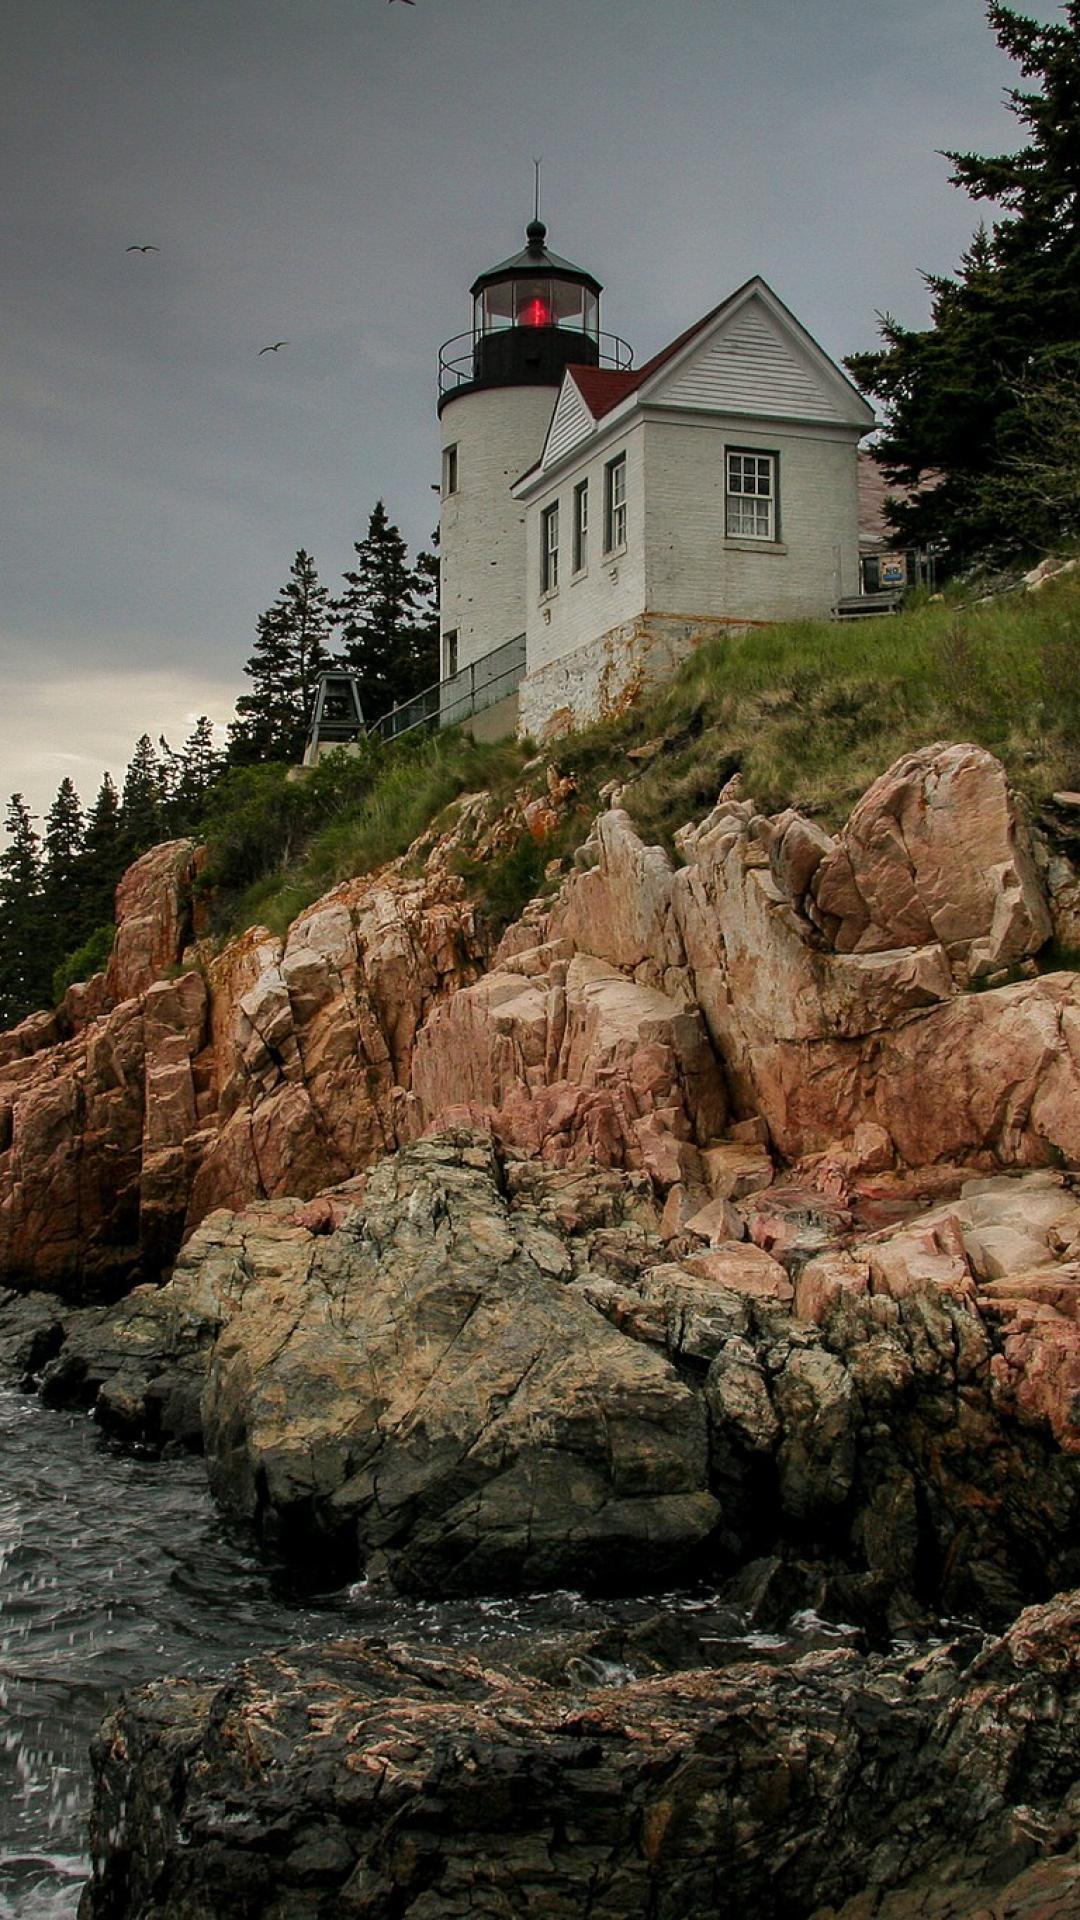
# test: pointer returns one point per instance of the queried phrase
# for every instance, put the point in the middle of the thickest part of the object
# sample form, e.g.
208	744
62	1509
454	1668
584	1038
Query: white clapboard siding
570	423
751	368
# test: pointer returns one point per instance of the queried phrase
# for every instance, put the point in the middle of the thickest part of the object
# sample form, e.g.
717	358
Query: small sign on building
892	570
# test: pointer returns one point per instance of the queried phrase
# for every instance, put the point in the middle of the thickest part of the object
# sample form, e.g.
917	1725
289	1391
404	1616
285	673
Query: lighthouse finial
536	232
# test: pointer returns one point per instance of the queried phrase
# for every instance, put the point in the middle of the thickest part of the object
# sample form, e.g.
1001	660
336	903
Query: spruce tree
26	950
377	617
101	860
201	764
142	821
62	888
424	648
958	394
291	650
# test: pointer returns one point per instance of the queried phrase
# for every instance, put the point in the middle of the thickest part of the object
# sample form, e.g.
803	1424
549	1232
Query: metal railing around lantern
459	358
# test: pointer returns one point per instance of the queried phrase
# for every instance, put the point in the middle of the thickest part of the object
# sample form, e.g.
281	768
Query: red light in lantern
535	313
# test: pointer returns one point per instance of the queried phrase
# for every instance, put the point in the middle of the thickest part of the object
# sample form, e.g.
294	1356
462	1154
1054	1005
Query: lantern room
534	315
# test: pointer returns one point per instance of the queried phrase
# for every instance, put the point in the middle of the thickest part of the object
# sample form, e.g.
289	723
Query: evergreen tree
425	641
101	860
201	764
954	393
62	889
26	953
291	650
142	820
377	616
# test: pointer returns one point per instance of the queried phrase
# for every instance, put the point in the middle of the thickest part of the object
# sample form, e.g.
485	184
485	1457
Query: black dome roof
535	258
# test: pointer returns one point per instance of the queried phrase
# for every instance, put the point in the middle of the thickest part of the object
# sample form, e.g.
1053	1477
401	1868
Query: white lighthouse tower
533	316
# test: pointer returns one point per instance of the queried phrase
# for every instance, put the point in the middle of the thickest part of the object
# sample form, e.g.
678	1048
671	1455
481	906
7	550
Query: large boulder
419	1391
464	1371
936	850
403	1781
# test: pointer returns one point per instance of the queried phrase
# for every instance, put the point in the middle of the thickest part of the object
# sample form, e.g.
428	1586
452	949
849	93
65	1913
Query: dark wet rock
481	1376
405	1783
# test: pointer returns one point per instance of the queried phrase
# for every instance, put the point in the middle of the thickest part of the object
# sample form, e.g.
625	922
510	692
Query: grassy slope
810	712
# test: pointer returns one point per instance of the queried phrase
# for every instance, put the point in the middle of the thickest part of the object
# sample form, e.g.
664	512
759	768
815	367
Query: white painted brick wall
692	568
498	432
610	590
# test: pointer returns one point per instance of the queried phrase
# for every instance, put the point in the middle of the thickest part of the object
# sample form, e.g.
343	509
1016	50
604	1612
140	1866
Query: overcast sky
335	173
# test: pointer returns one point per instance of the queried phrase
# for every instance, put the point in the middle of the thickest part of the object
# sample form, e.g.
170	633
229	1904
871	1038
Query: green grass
348	817
813	712
809	713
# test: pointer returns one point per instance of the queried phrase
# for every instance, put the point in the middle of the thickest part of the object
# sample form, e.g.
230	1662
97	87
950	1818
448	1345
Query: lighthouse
533	315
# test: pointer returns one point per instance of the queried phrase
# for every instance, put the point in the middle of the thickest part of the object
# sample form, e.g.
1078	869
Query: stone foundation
607	675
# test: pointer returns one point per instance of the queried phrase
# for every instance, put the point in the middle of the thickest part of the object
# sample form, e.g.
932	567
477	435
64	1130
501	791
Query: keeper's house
598	521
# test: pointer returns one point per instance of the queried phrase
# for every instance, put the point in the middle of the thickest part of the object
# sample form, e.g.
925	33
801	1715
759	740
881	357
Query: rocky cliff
810	986
720	1222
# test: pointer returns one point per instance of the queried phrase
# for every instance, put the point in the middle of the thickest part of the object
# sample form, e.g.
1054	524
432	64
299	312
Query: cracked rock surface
404	1782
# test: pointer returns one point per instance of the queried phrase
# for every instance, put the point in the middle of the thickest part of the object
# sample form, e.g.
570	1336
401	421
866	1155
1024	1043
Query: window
581	526
751	496
449	642
549	549
449	470
615	504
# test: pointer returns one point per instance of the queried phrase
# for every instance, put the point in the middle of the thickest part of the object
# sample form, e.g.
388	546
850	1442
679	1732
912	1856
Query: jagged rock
153	919
270	1069
419	1390
936	851
460	1374
401	1782
568	1063
820	1042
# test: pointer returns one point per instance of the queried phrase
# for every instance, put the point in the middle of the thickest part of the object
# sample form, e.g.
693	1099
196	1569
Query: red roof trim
602	389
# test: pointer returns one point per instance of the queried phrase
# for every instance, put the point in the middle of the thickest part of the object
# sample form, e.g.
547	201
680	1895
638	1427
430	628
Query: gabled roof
601	390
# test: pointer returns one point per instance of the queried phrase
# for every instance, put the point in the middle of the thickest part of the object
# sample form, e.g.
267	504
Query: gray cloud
334	172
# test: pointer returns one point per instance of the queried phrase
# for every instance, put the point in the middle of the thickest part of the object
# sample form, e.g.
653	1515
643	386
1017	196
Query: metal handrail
458	369
481	684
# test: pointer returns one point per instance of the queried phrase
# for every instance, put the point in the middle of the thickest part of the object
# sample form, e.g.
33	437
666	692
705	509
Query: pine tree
955	392
201	764
102	862
425	640
377	617
142	821
291	650
26	952
62	888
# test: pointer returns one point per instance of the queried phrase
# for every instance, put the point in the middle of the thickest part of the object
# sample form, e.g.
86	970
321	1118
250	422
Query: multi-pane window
549	549
449	470
449	641
615	504
581	526
751	496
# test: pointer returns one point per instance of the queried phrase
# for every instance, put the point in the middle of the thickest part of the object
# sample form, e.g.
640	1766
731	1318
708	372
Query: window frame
615	509
450	470
771	459
450	653
549	549
580	530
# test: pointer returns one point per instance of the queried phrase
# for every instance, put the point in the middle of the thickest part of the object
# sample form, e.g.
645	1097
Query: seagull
273	349
408	3
158	249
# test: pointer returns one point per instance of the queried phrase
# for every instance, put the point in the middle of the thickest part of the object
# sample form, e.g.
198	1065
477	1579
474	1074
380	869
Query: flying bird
408	3
273	349
158	249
